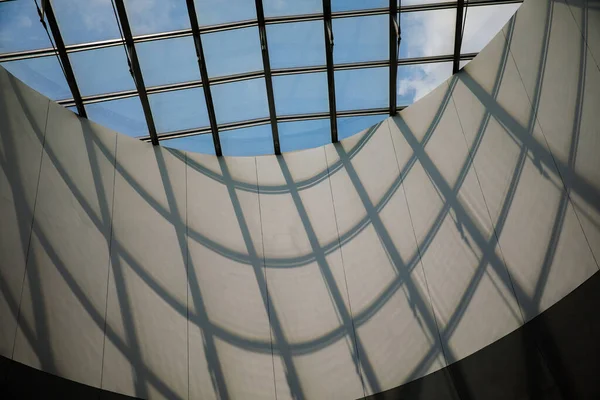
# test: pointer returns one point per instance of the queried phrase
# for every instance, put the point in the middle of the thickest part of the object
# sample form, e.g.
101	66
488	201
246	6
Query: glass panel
156	16
239	101
298	44
73	109
418	2
43	74
275	8
301	94
197	144
20	27
346	5
213	12
251	141
427	33
362	88
101	71
415	81
348	126
168	61
123	115
179	109
300	135
361	39
483	23
85	21
232	52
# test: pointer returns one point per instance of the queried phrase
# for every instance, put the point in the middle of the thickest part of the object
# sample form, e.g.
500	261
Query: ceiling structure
282	74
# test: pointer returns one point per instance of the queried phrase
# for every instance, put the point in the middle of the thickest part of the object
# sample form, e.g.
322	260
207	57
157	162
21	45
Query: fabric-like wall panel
465	273
61	324
305	275
548	61
388	293
146	335
227	288
23	115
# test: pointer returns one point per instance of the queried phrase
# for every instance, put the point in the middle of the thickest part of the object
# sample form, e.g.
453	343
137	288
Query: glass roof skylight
269	73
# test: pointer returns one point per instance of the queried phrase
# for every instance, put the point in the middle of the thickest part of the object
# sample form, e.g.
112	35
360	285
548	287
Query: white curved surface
334	272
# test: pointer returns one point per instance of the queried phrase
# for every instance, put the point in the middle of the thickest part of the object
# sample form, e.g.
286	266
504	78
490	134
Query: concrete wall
335	272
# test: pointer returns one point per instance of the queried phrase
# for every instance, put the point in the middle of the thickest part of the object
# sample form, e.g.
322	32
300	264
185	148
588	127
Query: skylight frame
24	54
264	45
135	69
395	35
62	55
273	119
214	129
458	33
328	33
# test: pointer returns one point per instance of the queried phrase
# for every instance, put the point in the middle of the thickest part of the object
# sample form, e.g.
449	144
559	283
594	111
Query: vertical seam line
31	230
345	277
262	240
472	161
567	191
439	334
187	275
112	210
583	28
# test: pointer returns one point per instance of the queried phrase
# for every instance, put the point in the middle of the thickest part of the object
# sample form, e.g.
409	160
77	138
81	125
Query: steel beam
460	7
328	30
263	121
62	54
204	75
394	44
135	70
264	46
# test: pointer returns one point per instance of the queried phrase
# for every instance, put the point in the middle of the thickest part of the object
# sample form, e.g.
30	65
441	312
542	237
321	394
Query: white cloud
431	33
483	23
428	33
24	21
419	80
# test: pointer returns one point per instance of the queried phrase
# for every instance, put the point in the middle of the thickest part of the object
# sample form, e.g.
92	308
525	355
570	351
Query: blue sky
169	61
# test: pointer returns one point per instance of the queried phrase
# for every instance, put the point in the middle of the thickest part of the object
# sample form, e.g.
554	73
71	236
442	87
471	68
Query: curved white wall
328	273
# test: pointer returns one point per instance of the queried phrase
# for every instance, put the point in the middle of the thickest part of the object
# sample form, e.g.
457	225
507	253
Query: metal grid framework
128	41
